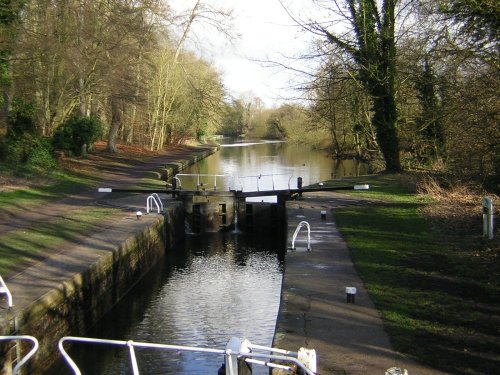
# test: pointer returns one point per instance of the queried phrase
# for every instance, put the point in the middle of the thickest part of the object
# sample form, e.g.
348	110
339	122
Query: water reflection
222	285
264	165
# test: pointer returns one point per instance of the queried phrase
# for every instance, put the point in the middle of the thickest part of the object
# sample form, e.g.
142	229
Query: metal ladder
297	230
156	199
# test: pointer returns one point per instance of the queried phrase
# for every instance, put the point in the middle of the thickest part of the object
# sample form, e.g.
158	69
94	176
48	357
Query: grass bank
438	295
22	247
23	196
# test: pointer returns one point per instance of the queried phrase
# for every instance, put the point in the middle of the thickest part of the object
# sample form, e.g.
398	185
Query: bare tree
167	85
367	38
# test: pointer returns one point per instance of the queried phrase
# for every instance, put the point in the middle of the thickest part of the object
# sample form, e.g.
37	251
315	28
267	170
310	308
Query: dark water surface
214	287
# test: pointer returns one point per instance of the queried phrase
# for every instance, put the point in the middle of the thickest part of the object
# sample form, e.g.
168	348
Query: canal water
268	165
213	286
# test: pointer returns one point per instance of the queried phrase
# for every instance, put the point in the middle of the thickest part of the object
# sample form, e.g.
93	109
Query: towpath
18	217
109	174
349	338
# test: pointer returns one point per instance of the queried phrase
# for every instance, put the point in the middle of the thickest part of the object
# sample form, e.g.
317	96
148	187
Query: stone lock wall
79	302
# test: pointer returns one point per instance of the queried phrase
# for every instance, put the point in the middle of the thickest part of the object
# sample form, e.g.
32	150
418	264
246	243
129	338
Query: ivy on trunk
373	50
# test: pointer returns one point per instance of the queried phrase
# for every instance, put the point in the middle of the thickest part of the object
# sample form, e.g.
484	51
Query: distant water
251	165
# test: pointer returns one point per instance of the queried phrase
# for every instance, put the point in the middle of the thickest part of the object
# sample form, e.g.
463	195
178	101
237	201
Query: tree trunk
385	121
115	125
5	105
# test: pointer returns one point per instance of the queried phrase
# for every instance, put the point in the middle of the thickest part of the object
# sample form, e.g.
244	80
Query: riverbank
38	220
68	265
349	338
428	269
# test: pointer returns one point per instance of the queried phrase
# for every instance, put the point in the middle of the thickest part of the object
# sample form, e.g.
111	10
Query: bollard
323	215
139	215
299	185
308	358
350	293
488	225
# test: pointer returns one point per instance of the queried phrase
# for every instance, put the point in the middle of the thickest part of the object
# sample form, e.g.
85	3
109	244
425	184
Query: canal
212	286
267	165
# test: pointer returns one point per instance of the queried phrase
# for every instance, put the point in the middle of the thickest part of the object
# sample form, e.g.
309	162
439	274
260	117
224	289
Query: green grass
388	187
61	184
22	246
438	305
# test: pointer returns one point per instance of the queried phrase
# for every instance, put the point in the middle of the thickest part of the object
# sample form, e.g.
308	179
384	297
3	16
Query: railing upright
152	199
30	354
5	290
159	200
297	230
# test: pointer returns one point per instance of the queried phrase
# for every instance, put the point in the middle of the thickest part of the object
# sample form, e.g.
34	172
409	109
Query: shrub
21	119
40	158
77	132
30	153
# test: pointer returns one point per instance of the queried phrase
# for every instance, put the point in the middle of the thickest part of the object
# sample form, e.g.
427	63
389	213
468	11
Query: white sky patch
267	34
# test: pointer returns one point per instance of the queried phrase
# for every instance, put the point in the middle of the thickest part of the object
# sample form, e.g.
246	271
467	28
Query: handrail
178	179
198	175
257	358
159	200
259	176
27	356
299	226
4	289
153	198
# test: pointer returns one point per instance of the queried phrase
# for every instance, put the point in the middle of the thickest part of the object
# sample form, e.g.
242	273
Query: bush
40	158
31	154
23	149
21	119
77	132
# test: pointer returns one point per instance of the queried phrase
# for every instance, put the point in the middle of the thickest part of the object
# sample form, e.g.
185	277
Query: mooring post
350	292
299	185
488	225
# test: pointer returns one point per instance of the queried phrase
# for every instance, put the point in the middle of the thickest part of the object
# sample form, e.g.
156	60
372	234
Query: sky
267	33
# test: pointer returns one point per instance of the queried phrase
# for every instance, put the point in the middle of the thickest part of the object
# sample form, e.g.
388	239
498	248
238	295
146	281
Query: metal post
350	292
299	185
488	225
235	364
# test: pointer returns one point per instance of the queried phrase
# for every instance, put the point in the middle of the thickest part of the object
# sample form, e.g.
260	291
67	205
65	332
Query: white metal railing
235	350
198	176
156	199
178	181
5	290
297	230
159	200
28	355
259	177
